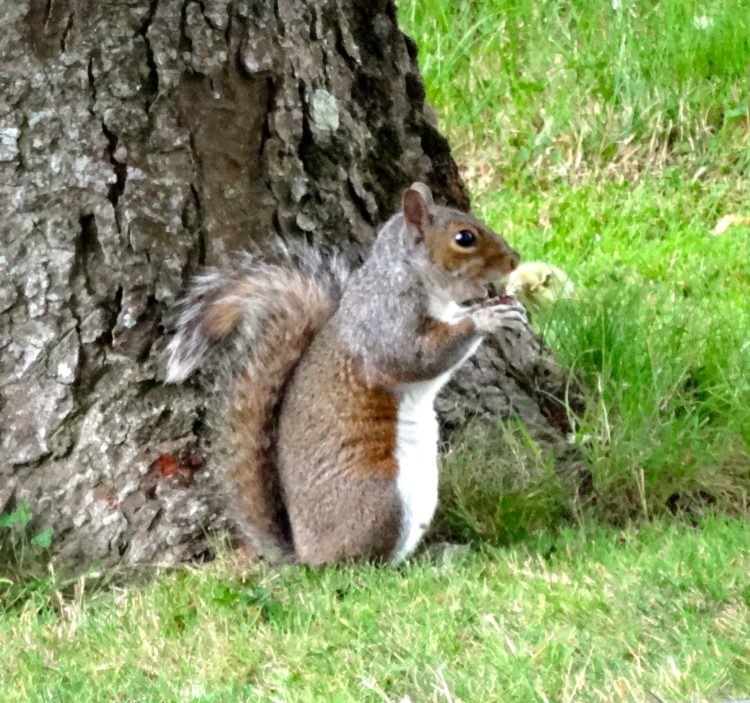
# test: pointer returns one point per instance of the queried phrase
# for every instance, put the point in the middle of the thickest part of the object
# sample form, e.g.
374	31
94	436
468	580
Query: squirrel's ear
424	191
415	206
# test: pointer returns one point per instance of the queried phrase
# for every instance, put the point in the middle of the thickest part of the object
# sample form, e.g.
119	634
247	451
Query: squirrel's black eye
465	238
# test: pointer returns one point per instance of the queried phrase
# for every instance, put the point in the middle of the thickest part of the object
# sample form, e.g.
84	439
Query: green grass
608	139
581	615
608	142
554	88
658	331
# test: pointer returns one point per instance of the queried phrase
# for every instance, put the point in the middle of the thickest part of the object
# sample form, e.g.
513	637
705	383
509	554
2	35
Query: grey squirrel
326	380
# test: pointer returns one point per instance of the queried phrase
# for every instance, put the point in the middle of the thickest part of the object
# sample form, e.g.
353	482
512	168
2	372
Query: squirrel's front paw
494	318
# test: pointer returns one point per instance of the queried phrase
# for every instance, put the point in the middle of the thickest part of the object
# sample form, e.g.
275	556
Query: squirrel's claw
504	316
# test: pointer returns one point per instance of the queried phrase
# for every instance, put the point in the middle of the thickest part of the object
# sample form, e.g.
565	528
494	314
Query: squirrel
325	380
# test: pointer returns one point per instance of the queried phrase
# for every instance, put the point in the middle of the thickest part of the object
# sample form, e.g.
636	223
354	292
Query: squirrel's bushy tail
249	325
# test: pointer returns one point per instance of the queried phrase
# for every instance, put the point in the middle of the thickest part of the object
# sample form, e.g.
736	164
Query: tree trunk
139	140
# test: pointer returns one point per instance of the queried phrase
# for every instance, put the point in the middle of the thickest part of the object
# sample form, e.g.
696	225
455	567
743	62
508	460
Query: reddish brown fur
225	312
337	459
252	403
437	334
491	256
435	342
371	414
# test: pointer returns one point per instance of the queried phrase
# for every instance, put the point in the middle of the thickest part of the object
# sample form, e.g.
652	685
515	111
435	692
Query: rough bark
138	140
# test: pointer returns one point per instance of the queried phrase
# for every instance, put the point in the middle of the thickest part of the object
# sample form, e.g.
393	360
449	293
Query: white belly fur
417	457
